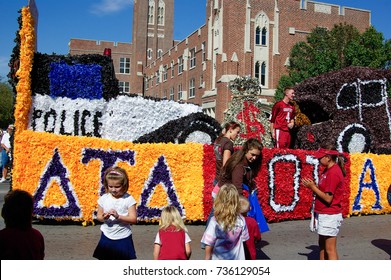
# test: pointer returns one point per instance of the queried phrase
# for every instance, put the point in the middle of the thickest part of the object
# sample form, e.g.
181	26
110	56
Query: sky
111	20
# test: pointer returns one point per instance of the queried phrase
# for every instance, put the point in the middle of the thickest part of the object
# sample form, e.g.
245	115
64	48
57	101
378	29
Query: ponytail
340	160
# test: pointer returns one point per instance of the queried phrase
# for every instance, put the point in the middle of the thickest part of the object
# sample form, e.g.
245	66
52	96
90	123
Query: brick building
246	37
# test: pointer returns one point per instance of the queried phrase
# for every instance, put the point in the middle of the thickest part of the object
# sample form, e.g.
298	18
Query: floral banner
370	184
281	195
64	174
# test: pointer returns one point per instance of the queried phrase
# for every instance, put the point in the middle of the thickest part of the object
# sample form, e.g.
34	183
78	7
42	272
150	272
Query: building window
149	53
192	88
203	46
157	77
180	65
201	80
192	58
264	34
124	87
172	93
165	73
160	14
258	36
257	70
172	69
263	74
159	53
146	81
180	93
260	72
124	65
151	11
164	94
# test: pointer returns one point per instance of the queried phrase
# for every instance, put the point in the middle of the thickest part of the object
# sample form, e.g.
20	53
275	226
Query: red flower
310	137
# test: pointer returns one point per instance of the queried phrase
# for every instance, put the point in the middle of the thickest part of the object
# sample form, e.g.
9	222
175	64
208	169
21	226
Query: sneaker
2	180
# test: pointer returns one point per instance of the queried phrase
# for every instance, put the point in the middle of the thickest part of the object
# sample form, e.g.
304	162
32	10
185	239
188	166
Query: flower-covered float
349	107
70	129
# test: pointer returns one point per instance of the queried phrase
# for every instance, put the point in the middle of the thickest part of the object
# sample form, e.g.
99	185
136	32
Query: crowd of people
230	233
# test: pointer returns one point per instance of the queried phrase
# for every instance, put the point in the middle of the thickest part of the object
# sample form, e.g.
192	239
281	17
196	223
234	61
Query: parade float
72	124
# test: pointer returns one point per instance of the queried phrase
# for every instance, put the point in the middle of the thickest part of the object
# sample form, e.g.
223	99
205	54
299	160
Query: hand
106	215
114	213
308	183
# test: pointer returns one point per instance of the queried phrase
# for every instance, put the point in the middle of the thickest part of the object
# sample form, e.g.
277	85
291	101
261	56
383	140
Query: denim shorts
328	224
4	158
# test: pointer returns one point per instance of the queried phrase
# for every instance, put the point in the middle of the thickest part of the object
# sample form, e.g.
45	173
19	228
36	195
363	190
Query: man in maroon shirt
282	119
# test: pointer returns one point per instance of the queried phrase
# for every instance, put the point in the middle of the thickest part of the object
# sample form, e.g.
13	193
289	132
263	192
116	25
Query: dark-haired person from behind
19	240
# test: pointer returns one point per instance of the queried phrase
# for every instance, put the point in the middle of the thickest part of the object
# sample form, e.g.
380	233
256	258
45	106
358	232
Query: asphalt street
360	238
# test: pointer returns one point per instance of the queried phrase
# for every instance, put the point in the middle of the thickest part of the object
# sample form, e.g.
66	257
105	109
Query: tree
325	51
388	50
6	105
369	49
342	35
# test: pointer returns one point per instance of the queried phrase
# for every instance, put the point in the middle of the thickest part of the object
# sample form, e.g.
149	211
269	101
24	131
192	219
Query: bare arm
208	252
5	148
226	156
272	120
101	216
188	250
131	218
325	196
156	251
272	130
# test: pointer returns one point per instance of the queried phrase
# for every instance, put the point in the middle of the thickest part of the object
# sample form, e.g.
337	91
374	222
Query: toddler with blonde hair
253	230
172	241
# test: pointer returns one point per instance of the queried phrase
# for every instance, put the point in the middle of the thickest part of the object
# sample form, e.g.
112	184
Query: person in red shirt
172	241
283	119
253	230
329	192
